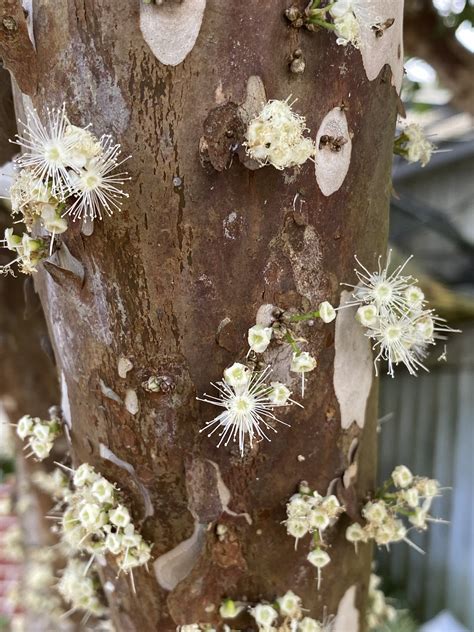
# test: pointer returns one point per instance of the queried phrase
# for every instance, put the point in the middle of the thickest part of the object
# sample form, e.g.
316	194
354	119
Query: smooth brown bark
162	277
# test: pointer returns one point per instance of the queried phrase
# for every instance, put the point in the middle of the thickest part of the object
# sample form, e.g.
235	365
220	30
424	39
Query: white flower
302	362
297	527
280	394
418	518
83	146
25	426
52	220
237	375
96	187
383	289
319	558
340	7
347	30
113	542
12	241
230	609
264	615
46	150
319	519
42	431
327	313
259	338
375	511
102	490
309	625
355	533
401	476
414	296
290	604
332	506
41	449
84	475
275	137
367	315
120	516
428	487
89	516
247	407
411	497
418	148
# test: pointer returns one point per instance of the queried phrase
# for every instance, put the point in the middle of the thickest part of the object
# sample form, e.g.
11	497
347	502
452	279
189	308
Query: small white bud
318	558
89	516
367	315
24	426
302	362
264	615
355	533
279	394
230	609
120	516
290	605
327	313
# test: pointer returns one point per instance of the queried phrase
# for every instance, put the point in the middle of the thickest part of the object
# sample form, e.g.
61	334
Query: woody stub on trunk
208	243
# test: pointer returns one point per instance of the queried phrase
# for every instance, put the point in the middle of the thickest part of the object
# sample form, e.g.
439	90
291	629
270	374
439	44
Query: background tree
173	283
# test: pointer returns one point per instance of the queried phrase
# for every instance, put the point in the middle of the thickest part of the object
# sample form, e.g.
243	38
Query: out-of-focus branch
426	37
16	48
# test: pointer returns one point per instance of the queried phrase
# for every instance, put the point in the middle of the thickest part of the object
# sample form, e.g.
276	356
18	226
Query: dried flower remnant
413	145
310	513
402	497
248	404
276	136
394	312
41	434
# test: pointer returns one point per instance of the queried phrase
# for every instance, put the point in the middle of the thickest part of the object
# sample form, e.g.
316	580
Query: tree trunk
174	282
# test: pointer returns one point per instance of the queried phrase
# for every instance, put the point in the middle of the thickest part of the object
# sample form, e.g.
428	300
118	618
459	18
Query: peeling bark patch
387	48
109	392
225	495
171	29
353	366
107	454
332	158
347	617
124	365
131	401
175	565
65	407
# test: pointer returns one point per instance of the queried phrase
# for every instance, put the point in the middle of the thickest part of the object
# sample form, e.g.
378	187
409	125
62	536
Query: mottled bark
174	282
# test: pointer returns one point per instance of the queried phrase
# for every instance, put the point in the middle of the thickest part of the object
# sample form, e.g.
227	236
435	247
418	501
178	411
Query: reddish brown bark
162	277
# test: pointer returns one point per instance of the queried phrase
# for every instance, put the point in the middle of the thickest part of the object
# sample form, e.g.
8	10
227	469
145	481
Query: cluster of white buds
64	170
276	136
284	615
413	145
29	251
346	26
40	433
309	512
401	496
96	522
54	483
248	404
394	312
80	588
379	613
